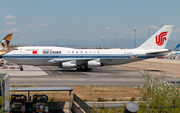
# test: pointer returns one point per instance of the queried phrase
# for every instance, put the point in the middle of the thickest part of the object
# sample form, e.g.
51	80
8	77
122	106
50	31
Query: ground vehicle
2	62
40	103
18	103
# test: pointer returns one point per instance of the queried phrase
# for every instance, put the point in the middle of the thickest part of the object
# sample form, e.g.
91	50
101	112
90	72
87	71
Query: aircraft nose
5	56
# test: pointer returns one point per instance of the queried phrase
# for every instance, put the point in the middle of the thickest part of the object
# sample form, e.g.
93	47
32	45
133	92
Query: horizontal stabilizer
159	53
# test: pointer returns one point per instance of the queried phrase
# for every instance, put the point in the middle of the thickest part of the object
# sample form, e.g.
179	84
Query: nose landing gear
21	68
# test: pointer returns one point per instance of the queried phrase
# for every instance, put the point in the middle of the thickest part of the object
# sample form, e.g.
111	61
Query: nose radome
5	56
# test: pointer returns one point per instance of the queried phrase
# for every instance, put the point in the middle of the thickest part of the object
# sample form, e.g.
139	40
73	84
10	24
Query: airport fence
82	104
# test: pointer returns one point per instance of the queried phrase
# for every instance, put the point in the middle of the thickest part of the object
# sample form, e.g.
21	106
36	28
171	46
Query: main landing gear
21	68
89	69
85	68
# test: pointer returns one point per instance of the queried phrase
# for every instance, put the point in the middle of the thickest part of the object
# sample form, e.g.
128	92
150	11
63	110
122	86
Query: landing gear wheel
89	69
79	68
21	69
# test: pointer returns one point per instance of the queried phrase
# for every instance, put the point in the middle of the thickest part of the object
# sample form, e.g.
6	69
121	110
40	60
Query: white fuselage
49	55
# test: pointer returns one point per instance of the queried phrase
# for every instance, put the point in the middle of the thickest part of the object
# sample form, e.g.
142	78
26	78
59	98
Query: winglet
159	39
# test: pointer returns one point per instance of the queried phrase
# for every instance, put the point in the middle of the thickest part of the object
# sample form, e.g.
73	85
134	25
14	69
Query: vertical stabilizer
177	47
159	39
5	43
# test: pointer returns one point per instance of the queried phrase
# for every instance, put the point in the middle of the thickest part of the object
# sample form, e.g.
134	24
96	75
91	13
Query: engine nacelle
93	64
68	65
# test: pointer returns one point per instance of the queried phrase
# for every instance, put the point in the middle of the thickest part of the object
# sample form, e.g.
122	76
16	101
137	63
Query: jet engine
93	64
68	65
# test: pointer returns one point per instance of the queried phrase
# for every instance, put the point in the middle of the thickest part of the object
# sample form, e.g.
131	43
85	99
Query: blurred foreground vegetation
158	96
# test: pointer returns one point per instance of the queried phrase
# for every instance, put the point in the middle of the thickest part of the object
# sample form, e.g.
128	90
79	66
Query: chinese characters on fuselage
72	52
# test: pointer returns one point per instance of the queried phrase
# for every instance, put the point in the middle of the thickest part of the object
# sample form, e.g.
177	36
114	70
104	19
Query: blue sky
87	23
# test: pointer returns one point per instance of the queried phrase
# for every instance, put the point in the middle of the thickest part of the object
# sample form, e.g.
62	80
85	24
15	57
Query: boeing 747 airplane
4	44
87	59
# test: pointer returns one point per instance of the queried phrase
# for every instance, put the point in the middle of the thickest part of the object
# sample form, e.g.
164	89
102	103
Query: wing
67	60
81	61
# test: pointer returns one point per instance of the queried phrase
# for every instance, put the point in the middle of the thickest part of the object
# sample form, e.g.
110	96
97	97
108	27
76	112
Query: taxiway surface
54	76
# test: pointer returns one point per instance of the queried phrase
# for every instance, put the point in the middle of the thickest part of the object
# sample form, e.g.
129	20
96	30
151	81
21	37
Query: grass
92	93
89	93
52	100
114	99
104	90
85	100
133	99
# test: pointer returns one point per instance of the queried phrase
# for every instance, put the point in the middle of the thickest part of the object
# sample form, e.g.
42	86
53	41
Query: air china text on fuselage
51	52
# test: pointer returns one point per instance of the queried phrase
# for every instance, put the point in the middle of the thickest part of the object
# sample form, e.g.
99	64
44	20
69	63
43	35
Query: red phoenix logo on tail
160	38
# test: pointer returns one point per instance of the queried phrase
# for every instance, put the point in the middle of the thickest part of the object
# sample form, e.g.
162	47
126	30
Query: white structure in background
5	89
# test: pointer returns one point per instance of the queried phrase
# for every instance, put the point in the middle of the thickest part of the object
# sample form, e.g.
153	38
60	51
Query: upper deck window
15	49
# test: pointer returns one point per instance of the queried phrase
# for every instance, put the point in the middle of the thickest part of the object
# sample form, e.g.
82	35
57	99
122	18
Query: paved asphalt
101	76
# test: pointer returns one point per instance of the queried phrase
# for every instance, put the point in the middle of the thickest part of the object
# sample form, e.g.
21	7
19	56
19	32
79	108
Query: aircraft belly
30	61
123	61
37	61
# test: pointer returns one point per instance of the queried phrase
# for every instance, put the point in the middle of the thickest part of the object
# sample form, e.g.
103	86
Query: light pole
116	40
16	41
148	32
55	40
104	43
177	39
135	38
